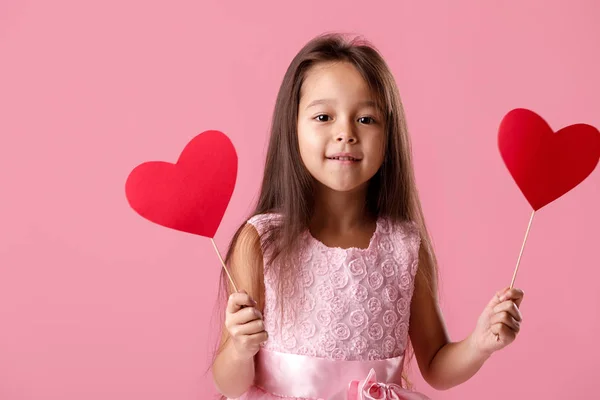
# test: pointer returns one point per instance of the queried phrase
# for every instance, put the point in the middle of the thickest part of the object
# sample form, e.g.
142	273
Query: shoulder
262	222
247	246
400	229
265	228
245	264
403	239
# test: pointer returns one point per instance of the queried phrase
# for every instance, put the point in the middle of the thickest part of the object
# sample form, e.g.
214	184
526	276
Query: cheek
377	148
302	142
310	145
382	149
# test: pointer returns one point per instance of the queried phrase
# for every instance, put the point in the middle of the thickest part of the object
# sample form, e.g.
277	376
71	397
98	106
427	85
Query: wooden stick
223	264
522	247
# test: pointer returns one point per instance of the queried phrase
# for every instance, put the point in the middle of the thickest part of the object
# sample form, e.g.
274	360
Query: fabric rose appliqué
306	278
338	354
358	293
326	343
307	351
339	279
338	306
358	345
341	331
321	268
374	354
336	258
374	305
375	280
389	344
358	318
325	291
324	317
404	280
388	267
390	293
401	331
385	245
356	266
390	318
402	306
375	331
307	329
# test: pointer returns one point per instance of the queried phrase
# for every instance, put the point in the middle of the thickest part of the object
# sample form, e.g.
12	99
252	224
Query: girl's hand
500	322
244	324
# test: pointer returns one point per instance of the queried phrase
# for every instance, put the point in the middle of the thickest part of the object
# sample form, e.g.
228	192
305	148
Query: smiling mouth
343	158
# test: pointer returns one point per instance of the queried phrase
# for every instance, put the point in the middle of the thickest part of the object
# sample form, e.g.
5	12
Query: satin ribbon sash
294	375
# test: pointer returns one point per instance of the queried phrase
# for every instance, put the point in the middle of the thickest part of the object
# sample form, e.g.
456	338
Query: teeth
344	158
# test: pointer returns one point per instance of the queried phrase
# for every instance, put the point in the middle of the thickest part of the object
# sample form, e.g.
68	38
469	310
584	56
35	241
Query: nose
346	136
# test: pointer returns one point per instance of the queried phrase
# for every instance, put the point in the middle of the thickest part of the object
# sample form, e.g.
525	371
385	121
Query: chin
344	188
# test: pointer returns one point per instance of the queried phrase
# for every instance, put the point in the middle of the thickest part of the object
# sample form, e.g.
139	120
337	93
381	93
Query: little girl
337	267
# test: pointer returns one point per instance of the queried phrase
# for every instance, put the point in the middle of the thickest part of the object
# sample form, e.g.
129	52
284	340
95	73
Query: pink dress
346	337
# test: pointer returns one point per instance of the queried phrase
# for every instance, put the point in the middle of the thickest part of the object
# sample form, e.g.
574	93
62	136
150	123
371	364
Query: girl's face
340	131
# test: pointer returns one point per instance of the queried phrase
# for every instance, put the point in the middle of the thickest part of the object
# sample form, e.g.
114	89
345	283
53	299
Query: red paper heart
546	165
191	195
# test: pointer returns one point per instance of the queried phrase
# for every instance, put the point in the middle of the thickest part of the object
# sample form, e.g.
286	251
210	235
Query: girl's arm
233	368
443	363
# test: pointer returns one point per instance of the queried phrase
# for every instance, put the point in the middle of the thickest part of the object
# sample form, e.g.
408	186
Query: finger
259	337
237	301
502	332
511	308
251	299
494	301
513	294
244	316
502	291
520	299
250	328
505	319
255	339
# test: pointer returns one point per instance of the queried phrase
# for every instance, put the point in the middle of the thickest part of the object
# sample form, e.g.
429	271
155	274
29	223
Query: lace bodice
350	304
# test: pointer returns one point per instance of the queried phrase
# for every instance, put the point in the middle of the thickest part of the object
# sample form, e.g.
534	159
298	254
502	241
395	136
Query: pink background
98	303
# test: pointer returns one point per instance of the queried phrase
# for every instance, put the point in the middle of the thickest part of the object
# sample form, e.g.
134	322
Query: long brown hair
287	186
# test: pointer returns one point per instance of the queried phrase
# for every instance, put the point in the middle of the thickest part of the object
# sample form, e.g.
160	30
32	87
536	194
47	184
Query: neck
340	210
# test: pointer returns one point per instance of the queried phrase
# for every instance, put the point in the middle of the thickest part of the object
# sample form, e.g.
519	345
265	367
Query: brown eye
322	118
366	120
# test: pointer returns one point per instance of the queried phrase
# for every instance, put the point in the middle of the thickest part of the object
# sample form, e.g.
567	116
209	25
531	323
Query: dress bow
370	389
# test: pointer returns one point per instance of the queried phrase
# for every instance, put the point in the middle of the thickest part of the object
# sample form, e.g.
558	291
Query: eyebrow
369	103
